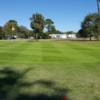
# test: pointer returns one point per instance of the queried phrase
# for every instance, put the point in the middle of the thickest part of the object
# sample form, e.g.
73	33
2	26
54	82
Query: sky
67	14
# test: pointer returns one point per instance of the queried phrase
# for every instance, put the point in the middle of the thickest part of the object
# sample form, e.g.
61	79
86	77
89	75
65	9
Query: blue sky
67	14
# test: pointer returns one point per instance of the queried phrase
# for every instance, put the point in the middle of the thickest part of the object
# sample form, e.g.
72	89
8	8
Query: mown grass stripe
29	55
50	54
9	54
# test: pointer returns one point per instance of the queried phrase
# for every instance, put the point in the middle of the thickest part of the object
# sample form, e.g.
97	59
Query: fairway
49	70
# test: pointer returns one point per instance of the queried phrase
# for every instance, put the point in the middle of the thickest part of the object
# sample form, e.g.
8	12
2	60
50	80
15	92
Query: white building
71	36
63	36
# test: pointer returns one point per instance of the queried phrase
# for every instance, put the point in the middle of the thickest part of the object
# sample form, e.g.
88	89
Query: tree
1	33
49	23
57	32
37	24
90	25
70	32
23	32
0	29
10	28
82	34
53	29
96	28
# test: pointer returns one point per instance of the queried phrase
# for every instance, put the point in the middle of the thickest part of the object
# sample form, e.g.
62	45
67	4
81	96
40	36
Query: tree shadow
11	81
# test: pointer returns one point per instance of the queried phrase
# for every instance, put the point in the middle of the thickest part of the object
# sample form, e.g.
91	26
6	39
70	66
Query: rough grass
48	70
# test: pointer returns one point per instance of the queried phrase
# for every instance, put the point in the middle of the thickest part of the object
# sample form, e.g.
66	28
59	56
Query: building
63	36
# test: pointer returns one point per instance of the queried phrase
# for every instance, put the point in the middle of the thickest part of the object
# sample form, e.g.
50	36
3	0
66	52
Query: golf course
49	70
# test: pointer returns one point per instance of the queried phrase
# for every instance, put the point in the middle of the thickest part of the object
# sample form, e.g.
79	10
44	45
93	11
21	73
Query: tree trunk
98	6
34	35
90	37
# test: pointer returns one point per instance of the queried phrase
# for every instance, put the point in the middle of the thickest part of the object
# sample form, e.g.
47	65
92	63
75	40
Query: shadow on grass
11	82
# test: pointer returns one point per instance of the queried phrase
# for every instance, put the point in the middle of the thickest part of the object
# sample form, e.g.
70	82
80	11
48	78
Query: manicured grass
48	70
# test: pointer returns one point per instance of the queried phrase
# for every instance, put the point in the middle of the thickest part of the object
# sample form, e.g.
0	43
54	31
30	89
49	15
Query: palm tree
37	24
98	5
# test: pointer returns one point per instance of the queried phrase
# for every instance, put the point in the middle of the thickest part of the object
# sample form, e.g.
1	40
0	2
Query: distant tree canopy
41	28
39	24
70	32
82	33
10	27
1	32
90	27
58	32
0	29
49	24
23	32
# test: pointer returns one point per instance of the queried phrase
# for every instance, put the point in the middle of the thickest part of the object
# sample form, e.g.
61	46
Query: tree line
40	28
90	27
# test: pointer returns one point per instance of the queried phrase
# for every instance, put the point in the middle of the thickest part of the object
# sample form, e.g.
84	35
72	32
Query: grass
48	70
